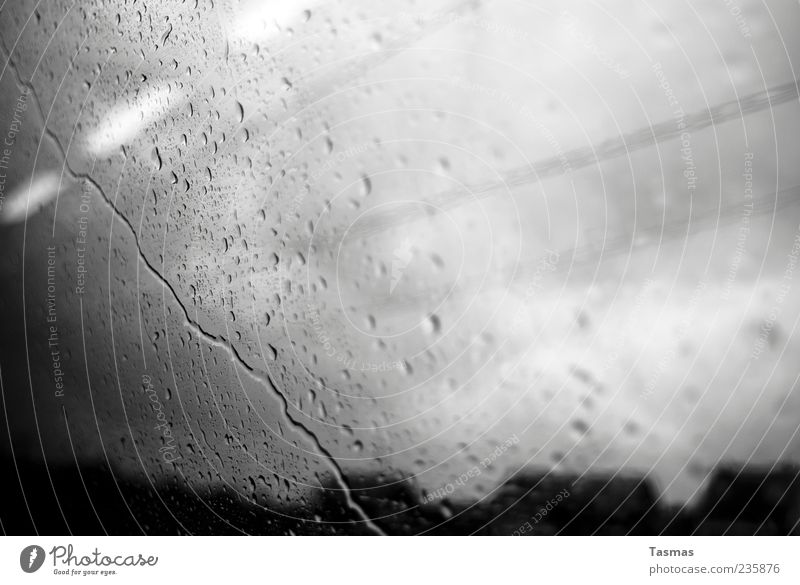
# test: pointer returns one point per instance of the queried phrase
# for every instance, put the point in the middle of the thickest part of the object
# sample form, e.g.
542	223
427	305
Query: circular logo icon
31	558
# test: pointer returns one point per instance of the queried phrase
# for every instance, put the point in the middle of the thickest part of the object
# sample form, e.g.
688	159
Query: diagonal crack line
217	340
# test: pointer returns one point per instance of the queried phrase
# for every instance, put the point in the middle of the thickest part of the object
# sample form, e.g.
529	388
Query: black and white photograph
361	267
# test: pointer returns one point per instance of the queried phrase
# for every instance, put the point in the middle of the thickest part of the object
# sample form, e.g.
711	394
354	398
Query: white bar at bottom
355	560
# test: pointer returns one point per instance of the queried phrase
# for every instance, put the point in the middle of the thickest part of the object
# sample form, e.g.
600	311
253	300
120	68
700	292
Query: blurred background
493	267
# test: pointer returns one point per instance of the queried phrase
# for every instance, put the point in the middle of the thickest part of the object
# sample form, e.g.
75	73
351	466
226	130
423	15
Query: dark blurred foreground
96	501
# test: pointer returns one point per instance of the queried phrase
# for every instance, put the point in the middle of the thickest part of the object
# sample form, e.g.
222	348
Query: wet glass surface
352	268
